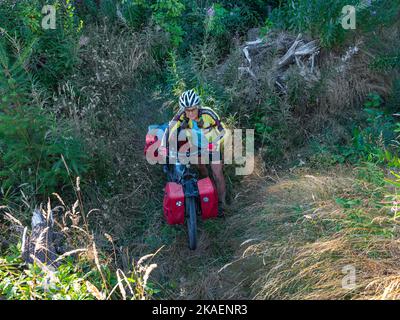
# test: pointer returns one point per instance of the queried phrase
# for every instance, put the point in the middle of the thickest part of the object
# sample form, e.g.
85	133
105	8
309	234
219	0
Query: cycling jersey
209	124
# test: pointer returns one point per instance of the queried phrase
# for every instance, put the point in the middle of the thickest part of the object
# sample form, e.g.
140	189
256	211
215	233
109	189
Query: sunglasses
190	110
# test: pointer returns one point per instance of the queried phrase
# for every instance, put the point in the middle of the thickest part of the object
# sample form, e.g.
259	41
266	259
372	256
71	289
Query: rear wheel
191	217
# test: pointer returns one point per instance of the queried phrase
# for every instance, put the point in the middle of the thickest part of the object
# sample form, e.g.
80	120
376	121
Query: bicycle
186	196
184	175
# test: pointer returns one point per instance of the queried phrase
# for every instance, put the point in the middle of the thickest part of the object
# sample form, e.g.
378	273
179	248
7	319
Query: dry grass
76	238
292	248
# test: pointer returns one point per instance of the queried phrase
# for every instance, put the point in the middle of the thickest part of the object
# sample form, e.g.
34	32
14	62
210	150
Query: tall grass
82	271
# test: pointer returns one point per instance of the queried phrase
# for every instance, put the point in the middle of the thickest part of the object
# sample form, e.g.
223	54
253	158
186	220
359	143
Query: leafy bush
167	14
373	142
386	62
323	19
223	23
318	17
33	150
36	282
54	52
31	143
74	279
136	13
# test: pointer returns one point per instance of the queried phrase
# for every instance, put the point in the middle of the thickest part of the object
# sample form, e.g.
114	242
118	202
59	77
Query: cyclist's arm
172	131
216	124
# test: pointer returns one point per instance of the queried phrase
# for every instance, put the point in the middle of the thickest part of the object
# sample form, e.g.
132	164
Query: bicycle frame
184	175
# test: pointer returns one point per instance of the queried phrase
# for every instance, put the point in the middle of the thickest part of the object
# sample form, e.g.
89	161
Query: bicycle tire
191	214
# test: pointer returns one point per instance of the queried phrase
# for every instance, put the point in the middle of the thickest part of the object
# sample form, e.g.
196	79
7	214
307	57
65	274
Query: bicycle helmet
189	99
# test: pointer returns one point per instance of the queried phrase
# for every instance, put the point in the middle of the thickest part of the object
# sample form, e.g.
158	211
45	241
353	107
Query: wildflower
211	12
395	207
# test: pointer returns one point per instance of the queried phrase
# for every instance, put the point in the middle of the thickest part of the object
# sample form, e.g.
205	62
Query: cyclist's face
192	113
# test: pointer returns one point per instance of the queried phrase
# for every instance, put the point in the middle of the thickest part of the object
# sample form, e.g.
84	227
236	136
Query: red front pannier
208	198
174	203
154	133
150	140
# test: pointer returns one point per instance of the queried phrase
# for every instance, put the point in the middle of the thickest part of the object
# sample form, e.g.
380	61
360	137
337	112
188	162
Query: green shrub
318	17
266	28
54	52
167	14
33	150
136	13
31	143
68	283
372	141
322	19
74	279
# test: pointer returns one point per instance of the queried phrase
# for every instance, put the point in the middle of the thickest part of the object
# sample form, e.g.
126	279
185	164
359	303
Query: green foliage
108	9
216	21
72	280
378	14
266	28
32	151
393	102
15	82
54	52
386	62
323	19
347	203
371	172
167	14
67	283
136	13
371	142
275	128
31	144
261	125
175	81
374	139
320	18
222	23
219	22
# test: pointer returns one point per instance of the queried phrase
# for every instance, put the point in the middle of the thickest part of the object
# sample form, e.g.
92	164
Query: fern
15	82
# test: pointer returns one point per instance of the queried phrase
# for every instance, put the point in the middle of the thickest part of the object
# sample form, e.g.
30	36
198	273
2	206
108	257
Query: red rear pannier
174	203
208	198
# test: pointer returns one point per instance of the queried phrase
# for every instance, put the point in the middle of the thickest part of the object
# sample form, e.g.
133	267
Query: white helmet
189	99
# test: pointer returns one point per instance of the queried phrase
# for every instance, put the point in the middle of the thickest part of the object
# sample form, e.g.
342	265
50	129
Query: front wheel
191	217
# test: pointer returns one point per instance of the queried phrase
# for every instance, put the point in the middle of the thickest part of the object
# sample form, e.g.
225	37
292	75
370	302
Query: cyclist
206	131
